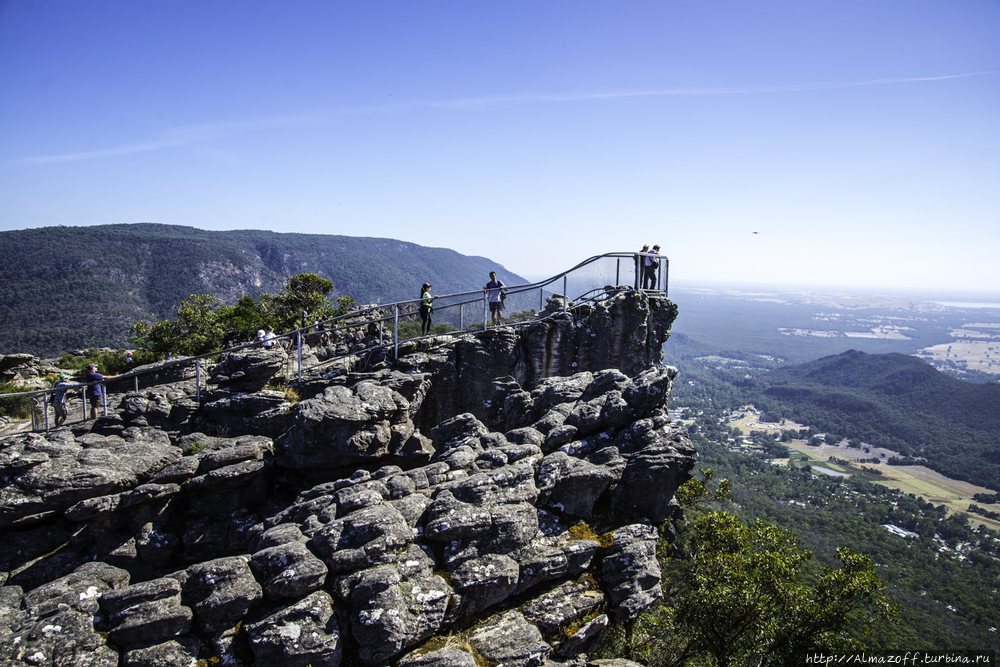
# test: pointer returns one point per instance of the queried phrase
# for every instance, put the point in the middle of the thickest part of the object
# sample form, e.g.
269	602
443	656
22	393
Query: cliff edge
496	496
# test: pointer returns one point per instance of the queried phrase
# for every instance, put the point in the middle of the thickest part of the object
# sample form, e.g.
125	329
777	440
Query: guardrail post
461	316
638	269
618	271
45	402
666	275
136	378
395	328
197	381
565	294
486	310
298	353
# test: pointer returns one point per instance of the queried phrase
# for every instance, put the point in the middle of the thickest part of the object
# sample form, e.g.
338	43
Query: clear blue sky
861	139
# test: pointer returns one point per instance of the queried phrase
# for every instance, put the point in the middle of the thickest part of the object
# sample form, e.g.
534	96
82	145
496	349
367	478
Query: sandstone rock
391	613
288	570
563	605
181	652
631	572
220	592
342	426
368	536
571	485
587	638
485	581
79	591
247	370
63	639
510	639
301	634
443	657
648	483
418	494
145	613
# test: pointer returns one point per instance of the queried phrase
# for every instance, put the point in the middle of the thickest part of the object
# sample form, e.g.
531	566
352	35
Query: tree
203	324
240	321
303	292
738	601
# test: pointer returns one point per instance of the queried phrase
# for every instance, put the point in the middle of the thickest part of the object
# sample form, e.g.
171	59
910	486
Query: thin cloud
181	135
534	98
190	134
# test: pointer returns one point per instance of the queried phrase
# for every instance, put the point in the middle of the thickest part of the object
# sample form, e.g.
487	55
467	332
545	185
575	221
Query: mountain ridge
897	401
68	287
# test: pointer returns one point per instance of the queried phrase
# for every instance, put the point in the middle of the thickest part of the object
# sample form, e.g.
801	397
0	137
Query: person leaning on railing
95	392
426	308
59	399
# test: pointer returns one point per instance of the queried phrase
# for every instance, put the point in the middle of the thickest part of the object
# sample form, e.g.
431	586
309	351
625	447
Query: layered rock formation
494	497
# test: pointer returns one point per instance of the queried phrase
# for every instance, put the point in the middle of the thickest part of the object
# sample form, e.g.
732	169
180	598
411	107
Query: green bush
18	407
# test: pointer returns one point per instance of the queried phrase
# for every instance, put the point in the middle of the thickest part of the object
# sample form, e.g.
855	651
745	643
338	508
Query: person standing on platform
426	308
95	392
495	295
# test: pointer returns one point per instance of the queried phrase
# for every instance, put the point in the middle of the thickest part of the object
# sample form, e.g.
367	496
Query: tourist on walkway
652	264
640	266
426	308
95	392
268	341
59	399
495	294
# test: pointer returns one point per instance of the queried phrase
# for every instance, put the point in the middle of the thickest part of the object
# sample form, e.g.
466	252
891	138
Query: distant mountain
68	287
896	401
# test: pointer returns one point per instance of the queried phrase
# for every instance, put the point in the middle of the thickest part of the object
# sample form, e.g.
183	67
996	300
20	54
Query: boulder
220	592
145	613
509	639
247	370
288	571
368	536
343	426
303	633
571	485
631	572
392	612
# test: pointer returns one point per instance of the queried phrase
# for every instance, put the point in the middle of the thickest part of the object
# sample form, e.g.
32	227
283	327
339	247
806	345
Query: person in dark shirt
95	392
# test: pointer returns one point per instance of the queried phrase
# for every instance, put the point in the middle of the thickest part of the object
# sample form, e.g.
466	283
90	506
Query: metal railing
591	279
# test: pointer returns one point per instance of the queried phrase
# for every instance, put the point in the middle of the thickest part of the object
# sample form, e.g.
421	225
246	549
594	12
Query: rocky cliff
495	497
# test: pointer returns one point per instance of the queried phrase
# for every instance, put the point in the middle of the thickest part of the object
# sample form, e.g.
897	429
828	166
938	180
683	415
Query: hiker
426	308
95	392
268	340
59	399
640	265
324	337
652	264
495	294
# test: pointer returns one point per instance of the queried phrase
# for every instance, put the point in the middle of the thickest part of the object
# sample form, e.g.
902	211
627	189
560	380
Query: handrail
394	307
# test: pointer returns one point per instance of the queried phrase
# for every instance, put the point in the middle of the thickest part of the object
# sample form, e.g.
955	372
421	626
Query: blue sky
860	139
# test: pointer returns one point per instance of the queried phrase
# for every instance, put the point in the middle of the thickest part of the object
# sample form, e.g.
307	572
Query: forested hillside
895	401
943	577
68	287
